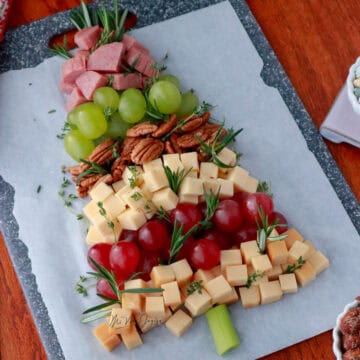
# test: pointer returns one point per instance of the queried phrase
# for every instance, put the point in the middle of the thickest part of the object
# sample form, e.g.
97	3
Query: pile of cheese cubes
176	308
130	202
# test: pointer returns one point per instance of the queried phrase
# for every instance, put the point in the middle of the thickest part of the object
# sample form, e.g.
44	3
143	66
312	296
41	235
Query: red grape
239	197
281	220
186	248
146	263
153	235
228	216
187	215
124	257
254	202
247	232
103	288
129	235
202	207
222	240
100	254
205	254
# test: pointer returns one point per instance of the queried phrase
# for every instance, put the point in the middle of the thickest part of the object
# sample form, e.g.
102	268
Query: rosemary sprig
131	68
251	278
291	268
80	18
93	170
195	286
265	229
265	187
175	178
212	202
178	239
61	50
211	150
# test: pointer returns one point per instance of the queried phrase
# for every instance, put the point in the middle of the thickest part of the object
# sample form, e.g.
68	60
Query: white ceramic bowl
336	332
350	87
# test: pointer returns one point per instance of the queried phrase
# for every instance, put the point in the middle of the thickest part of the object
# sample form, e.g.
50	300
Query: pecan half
86	184
165	127
103	152
141	129
146	150
173	140
194	123
189	141
118	168
169	148
107	179
128	146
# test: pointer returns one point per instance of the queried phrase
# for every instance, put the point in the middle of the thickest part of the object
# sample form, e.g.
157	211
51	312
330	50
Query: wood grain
316	41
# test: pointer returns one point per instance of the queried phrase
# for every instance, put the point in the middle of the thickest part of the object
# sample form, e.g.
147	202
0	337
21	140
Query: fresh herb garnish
291	268
219	143
251	278
103	213
160	65
135	173
81	18
163	214
51	111
136	196
95	169
265	229
175	178
212	202
195	286
80	288
38	189
61	50
202	108
265	187
65	129
68	198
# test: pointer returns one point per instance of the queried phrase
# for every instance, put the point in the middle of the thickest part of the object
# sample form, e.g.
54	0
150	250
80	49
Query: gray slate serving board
26	46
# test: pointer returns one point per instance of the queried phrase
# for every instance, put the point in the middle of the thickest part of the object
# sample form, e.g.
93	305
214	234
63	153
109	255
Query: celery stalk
222	329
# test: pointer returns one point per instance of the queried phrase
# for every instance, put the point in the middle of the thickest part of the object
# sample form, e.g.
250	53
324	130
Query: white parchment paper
210	52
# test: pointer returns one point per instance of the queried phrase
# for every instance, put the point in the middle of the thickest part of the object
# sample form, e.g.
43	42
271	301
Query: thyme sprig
251	278
65	129
67	198
61	50
163	214
135	173
103	213
265	229
212	202
94	169
175	178
160	65
195	286
212	150
80	288
291	268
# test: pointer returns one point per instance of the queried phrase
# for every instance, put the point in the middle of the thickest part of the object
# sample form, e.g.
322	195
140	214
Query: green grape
71	116
165	97
132	105
106	97
172	78
77	145
90	120
189	101
117	127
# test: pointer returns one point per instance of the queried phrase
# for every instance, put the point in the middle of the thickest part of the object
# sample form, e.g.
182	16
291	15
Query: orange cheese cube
292	236
179	323
306	274
154	307
217	271
171	294
135	284
203	275
106	338
277	251
249	297
288	283
236	275
131	338
249	249
270	292
182	271
162	274
261	263
218	288
230	257
311	248
298	249
318	261
119	320
273	274
231	298
198	304
132	301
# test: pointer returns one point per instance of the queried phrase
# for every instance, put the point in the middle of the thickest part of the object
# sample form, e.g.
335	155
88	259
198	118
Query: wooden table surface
316	41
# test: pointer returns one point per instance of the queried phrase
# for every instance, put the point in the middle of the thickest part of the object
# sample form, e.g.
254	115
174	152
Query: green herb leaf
212	202
142	290
265	187
175	178
93	170
195	286
96	315
51	111
38	189
160	65
291	268
61	50
251	278
163	214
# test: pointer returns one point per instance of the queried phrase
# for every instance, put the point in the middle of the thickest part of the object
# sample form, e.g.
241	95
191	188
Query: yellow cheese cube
123	192
137	200
236	275
239	177
249	249
273	274
147	193
119	320
250	185
208	170
226	188
113	206
131	219
249	297
277	251
171	294
151	165
132	301
311	248
288	283
284	267
230	257
133	175
292	236
318	261
182	271
190	161
191	186
306	274
162	274
165	198
131	338
231	298
190	199
100	192
109	229
198	304
261	263
218	288
135	284
211	185
118	185
298	249
203	275
217	271
173	162
93	236
270	292
91	211
155	179
179	323
106	338
154	307
227	156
